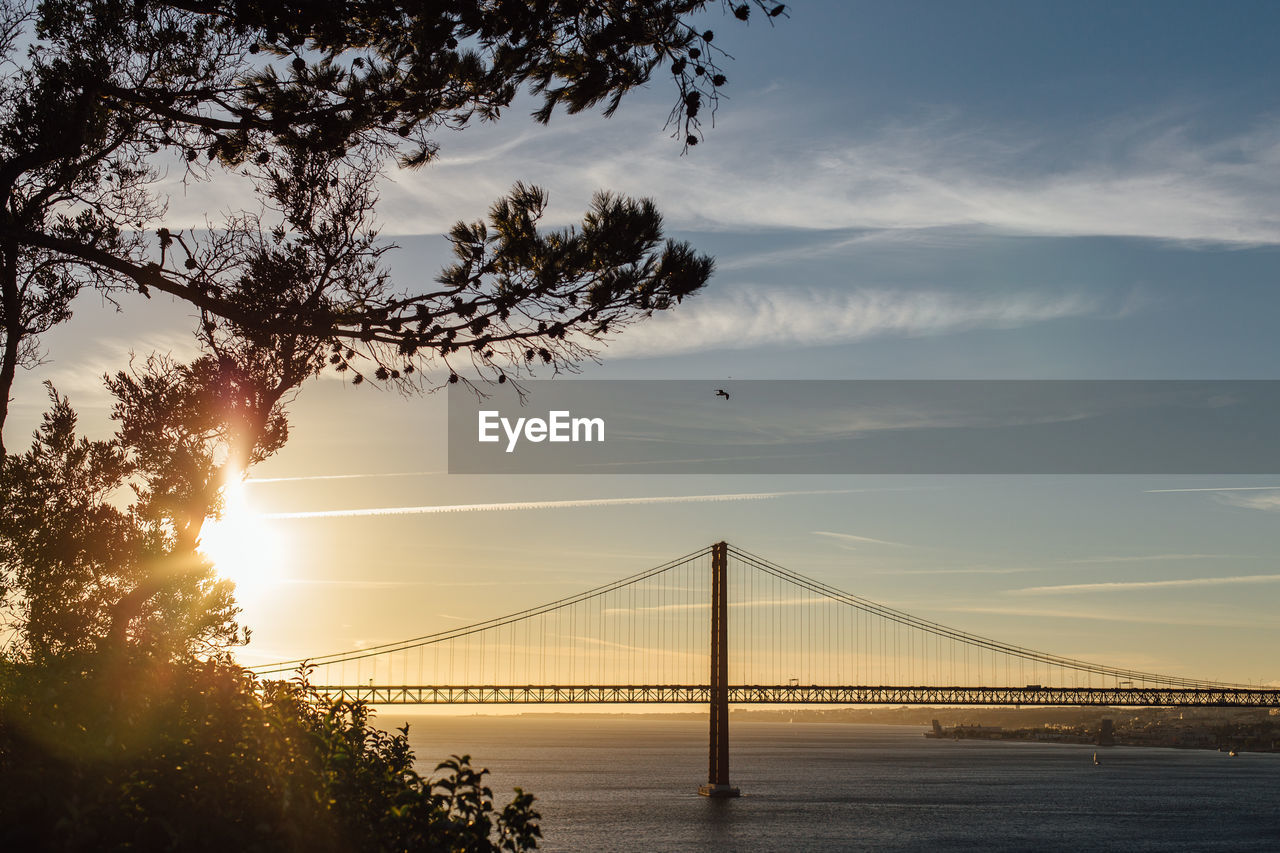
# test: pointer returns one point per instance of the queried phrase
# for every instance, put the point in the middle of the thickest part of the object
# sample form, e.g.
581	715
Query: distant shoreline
1243	730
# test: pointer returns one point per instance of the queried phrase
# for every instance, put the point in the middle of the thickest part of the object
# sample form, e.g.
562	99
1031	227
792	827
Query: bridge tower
718	773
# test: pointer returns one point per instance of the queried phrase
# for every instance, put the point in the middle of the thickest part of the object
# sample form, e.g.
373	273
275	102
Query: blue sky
906	190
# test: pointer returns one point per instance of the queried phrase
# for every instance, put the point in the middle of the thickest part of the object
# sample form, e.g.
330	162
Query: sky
916	190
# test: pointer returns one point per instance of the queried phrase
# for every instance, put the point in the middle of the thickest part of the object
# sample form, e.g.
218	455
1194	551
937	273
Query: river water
627	783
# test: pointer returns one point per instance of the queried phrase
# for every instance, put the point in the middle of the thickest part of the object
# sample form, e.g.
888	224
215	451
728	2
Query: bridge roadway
791	694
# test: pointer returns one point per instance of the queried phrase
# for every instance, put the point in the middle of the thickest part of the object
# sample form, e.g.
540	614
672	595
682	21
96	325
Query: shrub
147	755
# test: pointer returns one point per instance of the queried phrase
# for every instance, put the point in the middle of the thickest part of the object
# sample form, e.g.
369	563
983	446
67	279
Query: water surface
629	784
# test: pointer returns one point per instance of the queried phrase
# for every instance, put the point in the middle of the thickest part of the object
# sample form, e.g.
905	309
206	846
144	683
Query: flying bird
720	392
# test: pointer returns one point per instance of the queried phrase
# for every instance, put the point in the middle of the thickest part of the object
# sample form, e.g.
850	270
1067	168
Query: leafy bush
141	754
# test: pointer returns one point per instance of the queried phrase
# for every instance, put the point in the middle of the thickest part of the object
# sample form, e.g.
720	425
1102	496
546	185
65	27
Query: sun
244	547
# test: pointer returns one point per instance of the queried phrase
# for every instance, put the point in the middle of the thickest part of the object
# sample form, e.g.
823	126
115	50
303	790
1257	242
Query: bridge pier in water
718	770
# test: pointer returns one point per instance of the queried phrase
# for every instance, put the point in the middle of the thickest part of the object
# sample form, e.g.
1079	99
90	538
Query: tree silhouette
82	570
123	724
83	574
311	103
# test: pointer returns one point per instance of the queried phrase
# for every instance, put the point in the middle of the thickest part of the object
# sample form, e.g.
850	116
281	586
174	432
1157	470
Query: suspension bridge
676	633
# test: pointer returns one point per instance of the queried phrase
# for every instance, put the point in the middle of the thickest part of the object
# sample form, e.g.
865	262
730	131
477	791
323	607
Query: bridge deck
790	694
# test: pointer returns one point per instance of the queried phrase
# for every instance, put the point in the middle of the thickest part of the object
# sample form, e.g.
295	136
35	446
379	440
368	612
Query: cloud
388	584
695	460
1142	558
1097	616
849	537
752	316
535	505
1216	489
255	480
1267	503
80	377
1122	586
1229	496
1153	177
352	584
973	570
1147	175
706	605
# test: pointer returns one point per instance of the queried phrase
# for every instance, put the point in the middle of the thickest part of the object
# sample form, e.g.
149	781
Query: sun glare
244	548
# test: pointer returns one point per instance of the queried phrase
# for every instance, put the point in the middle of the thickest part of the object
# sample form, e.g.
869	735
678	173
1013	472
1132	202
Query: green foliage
149	755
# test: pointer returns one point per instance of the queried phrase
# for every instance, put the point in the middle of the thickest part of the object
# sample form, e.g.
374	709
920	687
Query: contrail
1123	585
1219	489
342	476
1142	558
566	504
865	539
